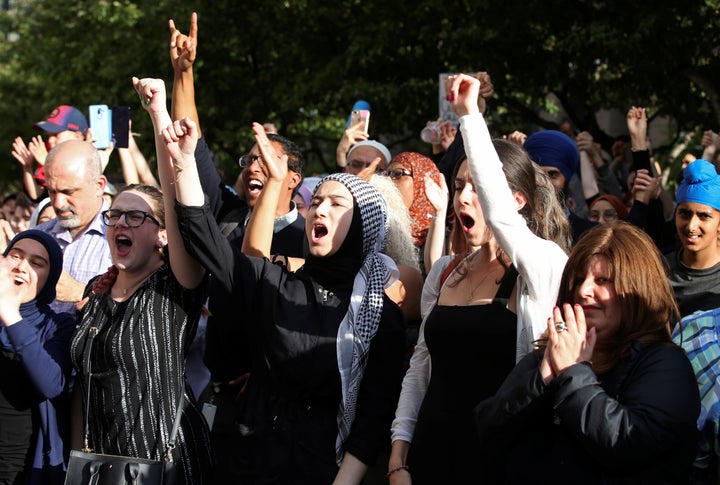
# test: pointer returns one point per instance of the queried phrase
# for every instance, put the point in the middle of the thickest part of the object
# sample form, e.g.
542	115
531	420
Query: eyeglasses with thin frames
133	218
398	173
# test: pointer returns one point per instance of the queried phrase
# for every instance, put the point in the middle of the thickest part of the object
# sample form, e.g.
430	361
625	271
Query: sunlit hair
154	194
638	275
399	246
543	212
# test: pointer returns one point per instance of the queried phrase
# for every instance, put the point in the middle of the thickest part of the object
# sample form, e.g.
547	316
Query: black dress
472	349
138	370
287	416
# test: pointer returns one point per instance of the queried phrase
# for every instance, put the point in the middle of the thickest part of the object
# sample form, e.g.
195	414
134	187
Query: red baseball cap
64	118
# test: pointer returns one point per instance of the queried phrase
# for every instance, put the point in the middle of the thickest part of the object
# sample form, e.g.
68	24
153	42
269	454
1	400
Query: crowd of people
519	309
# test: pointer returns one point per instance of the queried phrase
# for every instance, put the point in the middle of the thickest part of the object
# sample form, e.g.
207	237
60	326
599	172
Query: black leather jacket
635	424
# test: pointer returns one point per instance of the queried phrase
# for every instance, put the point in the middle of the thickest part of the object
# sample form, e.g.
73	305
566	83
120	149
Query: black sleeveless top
472	350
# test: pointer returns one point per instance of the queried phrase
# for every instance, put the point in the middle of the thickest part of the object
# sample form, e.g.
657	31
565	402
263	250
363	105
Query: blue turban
700	184
551	148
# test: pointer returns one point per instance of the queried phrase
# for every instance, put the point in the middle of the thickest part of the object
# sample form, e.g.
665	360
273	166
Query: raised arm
25	158
435	242
177	140
259	232
183	51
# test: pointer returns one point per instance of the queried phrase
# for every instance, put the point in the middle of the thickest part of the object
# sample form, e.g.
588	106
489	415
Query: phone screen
100	125
121	126
360	117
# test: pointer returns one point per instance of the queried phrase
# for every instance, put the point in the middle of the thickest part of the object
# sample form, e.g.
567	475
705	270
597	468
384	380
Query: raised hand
463	91
181	139
10	293
152	94
183	48
645	187
436	194
516	137
447	134
637	127
22	154
486	89
354	134
38	149
276	166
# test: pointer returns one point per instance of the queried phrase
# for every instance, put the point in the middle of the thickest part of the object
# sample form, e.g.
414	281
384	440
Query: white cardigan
539	263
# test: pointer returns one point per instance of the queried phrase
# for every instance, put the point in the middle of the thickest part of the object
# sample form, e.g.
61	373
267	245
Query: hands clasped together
569	341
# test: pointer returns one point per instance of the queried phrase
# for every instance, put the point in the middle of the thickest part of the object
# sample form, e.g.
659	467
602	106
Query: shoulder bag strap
88	375
176	426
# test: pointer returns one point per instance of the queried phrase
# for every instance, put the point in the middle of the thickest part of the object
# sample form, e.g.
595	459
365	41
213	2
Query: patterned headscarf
360	323
421	210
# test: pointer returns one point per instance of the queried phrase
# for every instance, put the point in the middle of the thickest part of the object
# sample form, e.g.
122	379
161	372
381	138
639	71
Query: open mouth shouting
122	245
467	221
319	231
254	187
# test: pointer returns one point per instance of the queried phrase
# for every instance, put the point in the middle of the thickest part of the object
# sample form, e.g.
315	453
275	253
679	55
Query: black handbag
88	468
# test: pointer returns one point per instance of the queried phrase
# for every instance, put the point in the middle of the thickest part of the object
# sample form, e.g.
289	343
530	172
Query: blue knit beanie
700	184
552	148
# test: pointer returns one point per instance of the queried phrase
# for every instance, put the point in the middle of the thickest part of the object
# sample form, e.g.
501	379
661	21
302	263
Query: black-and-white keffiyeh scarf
361	321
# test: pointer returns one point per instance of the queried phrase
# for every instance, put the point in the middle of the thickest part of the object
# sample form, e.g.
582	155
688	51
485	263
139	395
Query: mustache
66	208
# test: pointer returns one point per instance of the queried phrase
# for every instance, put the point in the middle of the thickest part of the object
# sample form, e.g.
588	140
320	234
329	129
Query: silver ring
560	327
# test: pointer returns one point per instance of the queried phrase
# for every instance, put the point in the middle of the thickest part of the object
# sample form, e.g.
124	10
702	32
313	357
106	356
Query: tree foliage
302	63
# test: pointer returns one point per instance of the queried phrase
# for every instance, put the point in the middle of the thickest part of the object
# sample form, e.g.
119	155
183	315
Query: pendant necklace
471	295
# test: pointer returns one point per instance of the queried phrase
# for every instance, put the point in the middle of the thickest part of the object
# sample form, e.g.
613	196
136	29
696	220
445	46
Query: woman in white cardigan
483	309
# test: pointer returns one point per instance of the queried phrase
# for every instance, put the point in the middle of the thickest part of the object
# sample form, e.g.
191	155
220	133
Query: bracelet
402	467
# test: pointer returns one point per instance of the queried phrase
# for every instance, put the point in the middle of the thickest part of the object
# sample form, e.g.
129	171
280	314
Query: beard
68	221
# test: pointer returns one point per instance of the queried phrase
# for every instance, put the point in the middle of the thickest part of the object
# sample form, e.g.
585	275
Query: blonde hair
400	245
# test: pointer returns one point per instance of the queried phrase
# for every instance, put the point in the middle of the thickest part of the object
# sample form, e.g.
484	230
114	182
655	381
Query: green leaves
302	64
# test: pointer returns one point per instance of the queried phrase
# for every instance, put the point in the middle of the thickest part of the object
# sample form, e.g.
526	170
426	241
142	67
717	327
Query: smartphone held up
100	125
109	125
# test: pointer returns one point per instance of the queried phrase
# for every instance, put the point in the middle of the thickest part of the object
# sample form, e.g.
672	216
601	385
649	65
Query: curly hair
400	245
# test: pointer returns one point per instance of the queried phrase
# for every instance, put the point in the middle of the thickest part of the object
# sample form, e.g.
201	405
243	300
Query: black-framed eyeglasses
398	173
247	160
133	218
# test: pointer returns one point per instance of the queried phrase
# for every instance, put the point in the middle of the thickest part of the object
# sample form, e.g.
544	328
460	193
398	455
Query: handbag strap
88	375
172	441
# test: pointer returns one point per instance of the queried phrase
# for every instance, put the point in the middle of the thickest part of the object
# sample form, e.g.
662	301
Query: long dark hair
543	212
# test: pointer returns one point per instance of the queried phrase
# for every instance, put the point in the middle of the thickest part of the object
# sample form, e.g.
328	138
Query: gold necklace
471	295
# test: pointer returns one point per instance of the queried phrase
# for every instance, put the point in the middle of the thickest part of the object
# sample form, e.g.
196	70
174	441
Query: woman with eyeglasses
137	325
408	170
327	341
607	208
483	308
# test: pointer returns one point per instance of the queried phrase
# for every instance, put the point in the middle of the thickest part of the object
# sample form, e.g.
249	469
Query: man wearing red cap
64	123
